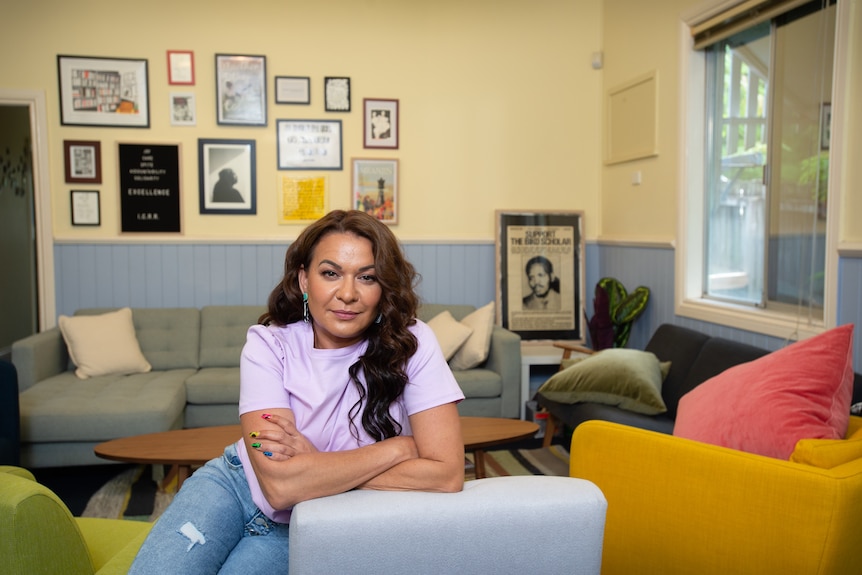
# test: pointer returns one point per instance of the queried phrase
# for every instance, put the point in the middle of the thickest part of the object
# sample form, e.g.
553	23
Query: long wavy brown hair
390	343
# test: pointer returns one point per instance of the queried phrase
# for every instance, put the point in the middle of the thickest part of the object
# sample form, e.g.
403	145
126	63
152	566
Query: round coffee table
187	448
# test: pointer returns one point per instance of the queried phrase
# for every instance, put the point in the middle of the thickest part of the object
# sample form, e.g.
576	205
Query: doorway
26	242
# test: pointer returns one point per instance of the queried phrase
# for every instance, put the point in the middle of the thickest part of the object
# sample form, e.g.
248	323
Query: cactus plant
614	311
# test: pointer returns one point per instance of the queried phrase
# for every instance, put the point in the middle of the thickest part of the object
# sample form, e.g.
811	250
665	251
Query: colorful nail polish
255	445
268	453
266	416
254	434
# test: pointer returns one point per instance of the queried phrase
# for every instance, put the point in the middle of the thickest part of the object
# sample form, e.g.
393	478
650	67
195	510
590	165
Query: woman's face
342	288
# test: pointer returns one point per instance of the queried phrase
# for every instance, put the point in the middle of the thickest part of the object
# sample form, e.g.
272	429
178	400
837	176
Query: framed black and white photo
336	92
227	174
381	123
85	208
183	109
83	161
540	274
111	92
241	90
292	90
309	144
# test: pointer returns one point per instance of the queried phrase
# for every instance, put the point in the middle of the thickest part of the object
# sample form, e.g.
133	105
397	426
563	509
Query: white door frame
35	102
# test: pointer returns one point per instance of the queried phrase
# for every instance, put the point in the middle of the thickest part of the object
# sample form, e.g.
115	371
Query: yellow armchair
38	534
677	506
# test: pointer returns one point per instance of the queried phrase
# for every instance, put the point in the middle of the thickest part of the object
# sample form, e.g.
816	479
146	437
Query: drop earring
306	317
379	318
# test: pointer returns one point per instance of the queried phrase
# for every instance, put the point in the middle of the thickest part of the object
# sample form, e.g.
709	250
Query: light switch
636	178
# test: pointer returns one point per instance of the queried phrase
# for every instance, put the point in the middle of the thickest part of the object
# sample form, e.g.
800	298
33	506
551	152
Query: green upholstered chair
38	534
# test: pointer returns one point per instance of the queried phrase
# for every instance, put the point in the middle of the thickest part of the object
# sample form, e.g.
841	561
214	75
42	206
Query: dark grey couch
694	356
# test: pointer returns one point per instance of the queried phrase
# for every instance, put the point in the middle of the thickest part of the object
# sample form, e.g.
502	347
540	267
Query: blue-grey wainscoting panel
182	275
195	275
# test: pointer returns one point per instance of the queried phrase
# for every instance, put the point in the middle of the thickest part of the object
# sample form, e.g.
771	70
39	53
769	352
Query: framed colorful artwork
375	188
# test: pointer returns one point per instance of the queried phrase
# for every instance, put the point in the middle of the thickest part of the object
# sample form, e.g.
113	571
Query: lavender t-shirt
281	368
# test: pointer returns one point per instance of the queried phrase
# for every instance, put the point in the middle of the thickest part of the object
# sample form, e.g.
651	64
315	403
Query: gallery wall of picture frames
105	92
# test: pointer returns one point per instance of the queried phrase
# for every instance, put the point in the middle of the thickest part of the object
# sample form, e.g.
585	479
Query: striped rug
133	494
553	460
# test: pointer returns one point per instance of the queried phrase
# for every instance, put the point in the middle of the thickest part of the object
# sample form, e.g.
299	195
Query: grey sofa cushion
479	382
223	332
214	385
65	408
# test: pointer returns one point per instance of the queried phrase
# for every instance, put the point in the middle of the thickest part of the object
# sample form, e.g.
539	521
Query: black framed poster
540	274
149	187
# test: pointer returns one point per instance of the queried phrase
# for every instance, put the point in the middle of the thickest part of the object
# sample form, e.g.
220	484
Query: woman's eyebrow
336	266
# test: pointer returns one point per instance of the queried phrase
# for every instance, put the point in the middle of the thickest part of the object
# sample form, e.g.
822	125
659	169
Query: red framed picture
181	67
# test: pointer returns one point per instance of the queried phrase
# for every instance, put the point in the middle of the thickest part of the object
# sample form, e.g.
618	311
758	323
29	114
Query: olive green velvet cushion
626	378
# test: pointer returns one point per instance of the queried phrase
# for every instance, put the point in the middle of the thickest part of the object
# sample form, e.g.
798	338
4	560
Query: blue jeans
213	526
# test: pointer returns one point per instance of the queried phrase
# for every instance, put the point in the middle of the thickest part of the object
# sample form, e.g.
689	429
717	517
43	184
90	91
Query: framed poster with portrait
540	274
241	90
226	170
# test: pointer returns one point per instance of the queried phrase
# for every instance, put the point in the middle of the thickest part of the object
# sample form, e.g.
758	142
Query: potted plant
614	311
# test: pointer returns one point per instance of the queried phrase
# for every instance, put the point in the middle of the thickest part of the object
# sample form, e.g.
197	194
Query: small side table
535	354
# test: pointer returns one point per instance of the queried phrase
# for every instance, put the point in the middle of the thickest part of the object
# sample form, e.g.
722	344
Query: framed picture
292	90
103	92
181	67
309	144
83	162
183	109
375	188
226	169
149	187
825	125
540	274
302	199
381	123
337	94
85	208
241	90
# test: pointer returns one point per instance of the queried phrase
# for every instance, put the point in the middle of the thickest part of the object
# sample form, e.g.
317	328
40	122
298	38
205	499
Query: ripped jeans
213	526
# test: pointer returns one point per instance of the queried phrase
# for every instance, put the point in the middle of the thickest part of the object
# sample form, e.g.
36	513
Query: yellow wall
500	107
640	37
498	101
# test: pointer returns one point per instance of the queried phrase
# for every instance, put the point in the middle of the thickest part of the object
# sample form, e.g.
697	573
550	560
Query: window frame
689	253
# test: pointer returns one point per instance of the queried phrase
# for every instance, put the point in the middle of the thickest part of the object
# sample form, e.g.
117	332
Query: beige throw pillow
103	344
451	334
475	349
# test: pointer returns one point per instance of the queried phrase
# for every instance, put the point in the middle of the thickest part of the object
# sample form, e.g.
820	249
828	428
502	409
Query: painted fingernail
254	434
255	445
266	416
268	453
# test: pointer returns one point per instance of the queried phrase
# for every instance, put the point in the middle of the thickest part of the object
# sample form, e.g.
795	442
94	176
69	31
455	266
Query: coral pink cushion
765	406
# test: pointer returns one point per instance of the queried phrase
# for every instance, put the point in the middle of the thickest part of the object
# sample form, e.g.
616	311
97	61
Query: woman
340	388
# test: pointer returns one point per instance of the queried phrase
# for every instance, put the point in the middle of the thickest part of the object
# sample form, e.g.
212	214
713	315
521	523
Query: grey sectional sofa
194	382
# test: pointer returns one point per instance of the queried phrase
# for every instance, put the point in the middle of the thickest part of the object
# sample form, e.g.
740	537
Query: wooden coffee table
186	448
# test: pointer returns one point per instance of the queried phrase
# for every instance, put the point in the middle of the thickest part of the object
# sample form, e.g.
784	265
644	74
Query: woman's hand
281	441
